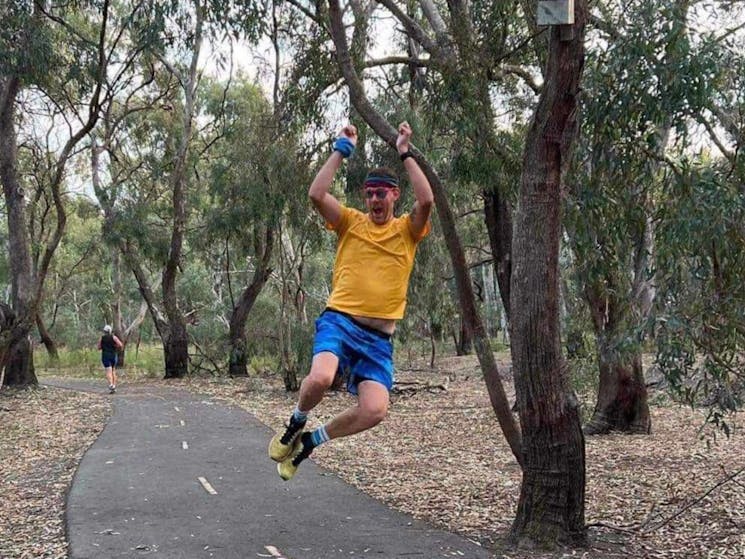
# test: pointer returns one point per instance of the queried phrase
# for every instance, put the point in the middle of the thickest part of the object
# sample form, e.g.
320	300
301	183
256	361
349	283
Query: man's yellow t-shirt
373	265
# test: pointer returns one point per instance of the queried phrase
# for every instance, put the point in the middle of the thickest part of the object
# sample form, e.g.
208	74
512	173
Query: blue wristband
344	146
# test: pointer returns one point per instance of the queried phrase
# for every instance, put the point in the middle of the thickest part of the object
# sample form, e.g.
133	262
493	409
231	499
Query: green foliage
305	99
264	364
26	44
302	347
75	291
262	329
499	345
431	302
257	171
700	329
583	378
632	101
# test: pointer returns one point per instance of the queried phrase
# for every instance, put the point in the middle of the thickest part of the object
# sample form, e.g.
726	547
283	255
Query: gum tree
551	507
61	54
164	171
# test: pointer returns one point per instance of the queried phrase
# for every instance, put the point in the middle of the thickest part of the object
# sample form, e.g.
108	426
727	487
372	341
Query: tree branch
729	154
414	30
388	60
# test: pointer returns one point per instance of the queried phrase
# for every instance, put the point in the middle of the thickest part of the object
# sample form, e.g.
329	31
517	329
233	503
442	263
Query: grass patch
143	362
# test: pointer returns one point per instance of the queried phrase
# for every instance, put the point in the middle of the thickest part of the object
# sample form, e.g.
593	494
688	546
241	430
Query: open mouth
377	211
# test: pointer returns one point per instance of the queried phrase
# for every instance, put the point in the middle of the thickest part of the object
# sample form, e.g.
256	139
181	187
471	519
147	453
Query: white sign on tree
555	12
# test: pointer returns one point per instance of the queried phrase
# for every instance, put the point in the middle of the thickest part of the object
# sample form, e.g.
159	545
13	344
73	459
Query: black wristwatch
406	154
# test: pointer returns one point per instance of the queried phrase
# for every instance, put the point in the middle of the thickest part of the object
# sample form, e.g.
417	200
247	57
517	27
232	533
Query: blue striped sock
319	436
299	416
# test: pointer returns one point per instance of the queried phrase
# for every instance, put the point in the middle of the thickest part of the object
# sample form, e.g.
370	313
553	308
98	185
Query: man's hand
404	134
349	131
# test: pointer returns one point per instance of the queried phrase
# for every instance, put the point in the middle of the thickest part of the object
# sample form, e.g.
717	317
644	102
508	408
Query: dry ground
43	435
439	456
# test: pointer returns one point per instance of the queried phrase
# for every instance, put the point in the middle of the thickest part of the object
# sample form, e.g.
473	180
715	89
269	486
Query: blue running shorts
108	360
366	352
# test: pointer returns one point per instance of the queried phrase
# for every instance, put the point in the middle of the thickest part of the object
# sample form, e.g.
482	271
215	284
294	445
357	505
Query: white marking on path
207	487
176	408
182	422
274	551
184	445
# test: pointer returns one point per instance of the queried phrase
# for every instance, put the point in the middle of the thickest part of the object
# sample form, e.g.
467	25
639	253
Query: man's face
380	201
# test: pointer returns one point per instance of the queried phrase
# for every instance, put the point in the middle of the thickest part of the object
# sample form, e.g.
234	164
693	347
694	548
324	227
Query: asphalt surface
179	476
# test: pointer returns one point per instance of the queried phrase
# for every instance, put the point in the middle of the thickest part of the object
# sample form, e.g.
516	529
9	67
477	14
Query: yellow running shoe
287	468
282	445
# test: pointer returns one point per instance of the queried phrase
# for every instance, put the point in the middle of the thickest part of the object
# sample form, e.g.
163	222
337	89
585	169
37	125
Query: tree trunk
20	359
46	339
551	507
288	359
176	348
464	341
176	352
622	392
121	355
119	249
622	396
133	327
117	286
357	166
238	361
498	217
7	320
162	326
27	287
19	370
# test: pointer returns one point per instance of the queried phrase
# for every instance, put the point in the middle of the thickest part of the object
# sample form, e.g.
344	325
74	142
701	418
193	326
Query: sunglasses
379	193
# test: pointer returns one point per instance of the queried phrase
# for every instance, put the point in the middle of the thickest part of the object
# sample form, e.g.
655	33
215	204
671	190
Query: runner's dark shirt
108	346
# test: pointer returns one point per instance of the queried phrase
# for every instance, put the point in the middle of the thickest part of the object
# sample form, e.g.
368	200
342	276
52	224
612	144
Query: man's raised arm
328	206
422	190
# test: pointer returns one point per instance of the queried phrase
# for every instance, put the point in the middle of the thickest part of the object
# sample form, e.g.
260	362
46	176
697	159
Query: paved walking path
179	476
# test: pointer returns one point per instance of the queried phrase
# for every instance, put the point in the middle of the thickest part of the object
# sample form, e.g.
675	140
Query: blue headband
386	180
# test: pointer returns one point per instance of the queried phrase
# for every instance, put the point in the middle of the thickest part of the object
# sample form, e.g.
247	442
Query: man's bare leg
312	390
110	378
371	409
319	380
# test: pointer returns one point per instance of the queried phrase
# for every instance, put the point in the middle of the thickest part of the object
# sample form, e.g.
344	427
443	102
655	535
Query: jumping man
374	257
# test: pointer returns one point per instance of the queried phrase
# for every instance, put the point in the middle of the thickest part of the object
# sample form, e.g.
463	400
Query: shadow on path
178	476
